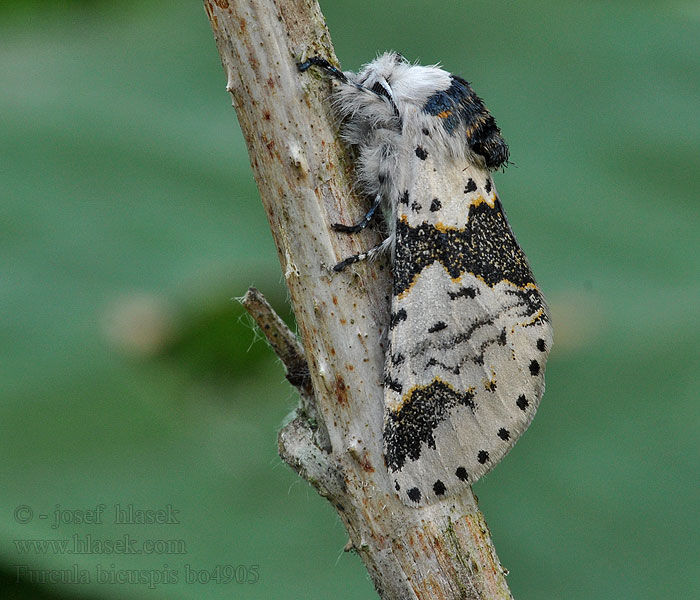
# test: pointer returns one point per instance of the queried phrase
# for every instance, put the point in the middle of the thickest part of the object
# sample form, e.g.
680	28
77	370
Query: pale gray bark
304	177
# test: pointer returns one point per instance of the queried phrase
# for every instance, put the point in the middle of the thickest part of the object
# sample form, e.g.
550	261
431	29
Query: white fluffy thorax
410	85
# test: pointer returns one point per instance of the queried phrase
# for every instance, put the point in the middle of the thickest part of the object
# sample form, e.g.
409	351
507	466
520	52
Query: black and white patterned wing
470	333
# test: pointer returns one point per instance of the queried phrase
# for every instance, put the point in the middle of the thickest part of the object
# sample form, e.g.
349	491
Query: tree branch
304	177
286	345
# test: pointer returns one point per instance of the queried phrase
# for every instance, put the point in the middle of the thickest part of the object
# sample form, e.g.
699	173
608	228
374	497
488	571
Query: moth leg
370	254
365	220
325	66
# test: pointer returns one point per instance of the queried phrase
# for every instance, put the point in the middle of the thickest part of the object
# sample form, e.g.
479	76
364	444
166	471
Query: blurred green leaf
130	222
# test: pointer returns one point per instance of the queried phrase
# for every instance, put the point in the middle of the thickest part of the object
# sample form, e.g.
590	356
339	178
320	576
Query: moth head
377	75
392	76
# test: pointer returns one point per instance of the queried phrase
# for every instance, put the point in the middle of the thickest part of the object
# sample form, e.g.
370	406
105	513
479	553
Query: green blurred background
130	221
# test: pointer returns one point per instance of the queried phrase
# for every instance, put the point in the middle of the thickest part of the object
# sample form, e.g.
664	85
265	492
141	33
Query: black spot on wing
462	474
541	345
439	326
422	410
397	358
470	187
435	205
439	488
397	317
397	487
465	292
483	456
522	402
487	185
421	153
414	494
534	368
392	384
403	198
416	206
504	434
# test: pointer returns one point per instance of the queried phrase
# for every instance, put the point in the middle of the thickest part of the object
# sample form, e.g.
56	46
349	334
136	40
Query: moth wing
470	335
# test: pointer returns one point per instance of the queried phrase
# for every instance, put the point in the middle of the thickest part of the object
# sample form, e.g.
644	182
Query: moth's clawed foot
344	264
347	228
324	65
304	66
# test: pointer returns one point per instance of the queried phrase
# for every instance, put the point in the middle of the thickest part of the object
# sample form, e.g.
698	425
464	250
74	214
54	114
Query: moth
470	331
